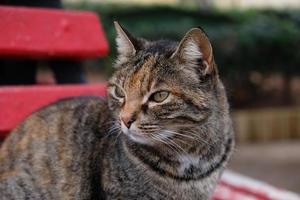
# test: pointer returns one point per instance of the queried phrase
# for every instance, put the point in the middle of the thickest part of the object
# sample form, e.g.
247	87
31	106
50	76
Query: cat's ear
125	41
194	47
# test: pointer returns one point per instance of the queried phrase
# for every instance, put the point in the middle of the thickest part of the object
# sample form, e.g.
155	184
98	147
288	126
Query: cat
164	131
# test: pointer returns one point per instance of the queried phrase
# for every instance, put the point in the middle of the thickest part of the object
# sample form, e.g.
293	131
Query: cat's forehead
141	69
142	75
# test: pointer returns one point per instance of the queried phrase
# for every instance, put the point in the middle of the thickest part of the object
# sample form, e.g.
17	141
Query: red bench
16	103
50	33
46	34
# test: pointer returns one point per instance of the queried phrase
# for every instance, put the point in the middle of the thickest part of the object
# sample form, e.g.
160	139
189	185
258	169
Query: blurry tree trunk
287	100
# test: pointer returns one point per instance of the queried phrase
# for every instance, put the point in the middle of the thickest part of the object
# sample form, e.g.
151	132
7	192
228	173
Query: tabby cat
164	131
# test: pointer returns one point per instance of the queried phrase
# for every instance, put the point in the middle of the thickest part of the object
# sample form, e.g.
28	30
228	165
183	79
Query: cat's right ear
195	47
126	43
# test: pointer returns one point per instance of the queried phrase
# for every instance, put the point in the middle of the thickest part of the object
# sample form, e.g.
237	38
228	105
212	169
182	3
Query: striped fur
81	148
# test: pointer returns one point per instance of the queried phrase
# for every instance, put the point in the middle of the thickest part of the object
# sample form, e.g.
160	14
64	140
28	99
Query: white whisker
191	136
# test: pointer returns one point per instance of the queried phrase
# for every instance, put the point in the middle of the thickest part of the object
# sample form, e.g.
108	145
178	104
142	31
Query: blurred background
256	45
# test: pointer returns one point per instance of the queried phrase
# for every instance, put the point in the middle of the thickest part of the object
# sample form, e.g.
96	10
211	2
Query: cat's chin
137	138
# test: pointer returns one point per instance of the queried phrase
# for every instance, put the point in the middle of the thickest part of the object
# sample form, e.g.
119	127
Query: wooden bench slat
17	102
50	33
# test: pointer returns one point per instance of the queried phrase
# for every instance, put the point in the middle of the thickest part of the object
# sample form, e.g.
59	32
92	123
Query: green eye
160	96
119	92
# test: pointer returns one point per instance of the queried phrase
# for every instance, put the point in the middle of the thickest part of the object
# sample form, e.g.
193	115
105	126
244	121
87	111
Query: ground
277	163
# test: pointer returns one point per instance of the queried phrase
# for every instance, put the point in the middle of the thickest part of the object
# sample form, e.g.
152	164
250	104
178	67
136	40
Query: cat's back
52	145
55	123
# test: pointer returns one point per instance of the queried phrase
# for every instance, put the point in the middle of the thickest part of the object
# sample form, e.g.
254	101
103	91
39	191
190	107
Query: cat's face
163	88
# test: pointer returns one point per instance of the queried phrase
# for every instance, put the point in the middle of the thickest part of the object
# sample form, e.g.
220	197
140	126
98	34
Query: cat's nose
128	120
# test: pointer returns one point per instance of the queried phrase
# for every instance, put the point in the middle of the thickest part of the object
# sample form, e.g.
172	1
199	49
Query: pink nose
127	120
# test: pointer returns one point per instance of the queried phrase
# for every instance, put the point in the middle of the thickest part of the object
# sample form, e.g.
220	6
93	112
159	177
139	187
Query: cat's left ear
194	47
126	43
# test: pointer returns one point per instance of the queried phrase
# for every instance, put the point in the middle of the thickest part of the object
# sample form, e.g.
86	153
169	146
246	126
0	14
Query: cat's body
74	149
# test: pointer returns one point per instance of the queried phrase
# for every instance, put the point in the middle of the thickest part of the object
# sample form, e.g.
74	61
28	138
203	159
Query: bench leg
17	72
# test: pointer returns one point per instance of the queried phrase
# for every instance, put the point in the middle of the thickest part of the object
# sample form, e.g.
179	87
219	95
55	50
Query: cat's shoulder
73	104
69	111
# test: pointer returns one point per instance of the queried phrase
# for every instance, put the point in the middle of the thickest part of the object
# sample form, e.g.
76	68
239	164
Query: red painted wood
18	102
50	33
247	191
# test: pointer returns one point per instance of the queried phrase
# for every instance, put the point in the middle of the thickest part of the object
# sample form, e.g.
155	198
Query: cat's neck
181	167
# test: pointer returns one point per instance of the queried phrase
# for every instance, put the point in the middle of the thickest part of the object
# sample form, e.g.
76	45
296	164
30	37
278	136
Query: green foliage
243	41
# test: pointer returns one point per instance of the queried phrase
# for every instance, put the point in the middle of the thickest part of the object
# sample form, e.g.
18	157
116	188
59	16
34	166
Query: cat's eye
160	96
119	92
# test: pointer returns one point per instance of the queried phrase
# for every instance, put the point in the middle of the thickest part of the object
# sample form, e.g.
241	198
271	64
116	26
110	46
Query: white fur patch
124	45
191	51
186	161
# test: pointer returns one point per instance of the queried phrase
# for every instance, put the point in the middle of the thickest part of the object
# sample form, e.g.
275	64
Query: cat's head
161	88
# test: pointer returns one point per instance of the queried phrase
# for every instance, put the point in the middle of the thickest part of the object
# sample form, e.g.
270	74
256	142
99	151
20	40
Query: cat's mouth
146	137
138	135
135	135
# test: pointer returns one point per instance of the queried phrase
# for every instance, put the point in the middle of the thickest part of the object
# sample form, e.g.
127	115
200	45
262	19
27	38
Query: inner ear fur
196	46
126	43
